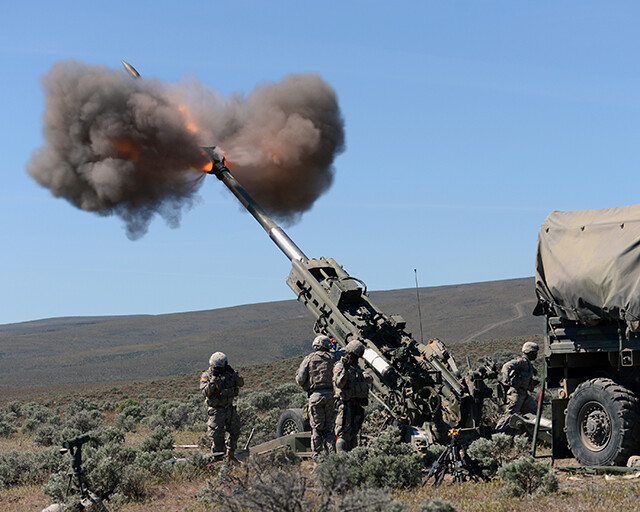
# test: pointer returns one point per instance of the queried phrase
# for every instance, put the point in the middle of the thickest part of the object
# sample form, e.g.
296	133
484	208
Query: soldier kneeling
518	375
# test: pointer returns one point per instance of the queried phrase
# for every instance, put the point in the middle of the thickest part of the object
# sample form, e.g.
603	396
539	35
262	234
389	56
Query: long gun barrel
419	384
275	232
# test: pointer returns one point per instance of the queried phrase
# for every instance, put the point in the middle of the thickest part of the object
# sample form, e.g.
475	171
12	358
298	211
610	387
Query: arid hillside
132	348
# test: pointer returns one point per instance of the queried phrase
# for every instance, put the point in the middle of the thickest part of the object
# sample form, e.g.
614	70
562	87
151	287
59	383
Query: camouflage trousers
349	418
221	420
321	418
518	400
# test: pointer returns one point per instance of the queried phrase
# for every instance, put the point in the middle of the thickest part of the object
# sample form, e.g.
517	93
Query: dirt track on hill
520	312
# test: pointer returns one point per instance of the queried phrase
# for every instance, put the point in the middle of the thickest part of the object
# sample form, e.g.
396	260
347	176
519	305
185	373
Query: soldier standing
220	384
352	393
518	374
314	375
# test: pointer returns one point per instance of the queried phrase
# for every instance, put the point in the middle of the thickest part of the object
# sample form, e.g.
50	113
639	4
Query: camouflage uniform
518	374
314	375
352	394
219	387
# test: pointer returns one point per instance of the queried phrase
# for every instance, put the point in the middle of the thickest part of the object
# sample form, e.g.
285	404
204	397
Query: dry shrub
386	462
278	484
493	453
524	476
436	505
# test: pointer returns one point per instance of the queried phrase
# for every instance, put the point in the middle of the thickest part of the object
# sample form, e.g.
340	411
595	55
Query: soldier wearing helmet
314	375
518	376
220	384
352	394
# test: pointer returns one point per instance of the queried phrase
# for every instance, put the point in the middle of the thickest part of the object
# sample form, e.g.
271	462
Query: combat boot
231	456
218	453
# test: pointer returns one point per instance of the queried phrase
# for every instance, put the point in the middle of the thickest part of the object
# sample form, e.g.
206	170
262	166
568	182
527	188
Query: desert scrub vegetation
435	505
524	476
278	483
491	454
130	471
123	467
115	462
385	462
20	468
50	425
113	468
362	480
507	457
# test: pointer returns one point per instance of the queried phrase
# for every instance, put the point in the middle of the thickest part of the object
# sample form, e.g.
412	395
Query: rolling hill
132	348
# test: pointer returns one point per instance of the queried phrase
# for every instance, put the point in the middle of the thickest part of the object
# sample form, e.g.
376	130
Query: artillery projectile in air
130	69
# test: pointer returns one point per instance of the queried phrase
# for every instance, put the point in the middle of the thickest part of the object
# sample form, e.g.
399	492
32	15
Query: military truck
588	290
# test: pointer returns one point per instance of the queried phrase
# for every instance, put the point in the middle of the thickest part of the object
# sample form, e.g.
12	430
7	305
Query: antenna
415	271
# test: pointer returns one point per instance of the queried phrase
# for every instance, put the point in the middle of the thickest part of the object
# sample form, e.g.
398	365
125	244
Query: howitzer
419	384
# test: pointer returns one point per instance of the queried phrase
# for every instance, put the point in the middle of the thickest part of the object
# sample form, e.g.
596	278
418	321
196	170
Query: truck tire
602	423
290	422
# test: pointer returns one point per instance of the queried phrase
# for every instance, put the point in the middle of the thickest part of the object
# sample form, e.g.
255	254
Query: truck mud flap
559	447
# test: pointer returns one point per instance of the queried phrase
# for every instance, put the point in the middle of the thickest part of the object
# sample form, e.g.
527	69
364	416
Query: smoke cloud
131	147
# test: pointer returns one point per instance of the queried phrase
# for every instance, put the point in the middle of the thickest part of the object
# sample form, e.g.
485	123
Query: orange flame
208	167
189	124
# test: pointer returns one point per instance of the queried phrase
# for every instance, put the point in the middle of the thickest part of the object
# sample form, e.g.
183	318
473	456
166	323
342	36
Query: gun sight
74	443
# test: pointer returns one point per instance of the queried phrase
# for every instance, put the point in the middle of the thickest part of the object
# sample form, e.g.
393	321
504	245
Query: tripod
74	447
454	461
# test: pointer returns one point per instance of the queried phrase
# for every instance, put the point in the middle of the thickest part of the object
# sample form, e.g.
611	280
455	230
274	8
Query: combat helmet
530	347
218	360
321	342
355	347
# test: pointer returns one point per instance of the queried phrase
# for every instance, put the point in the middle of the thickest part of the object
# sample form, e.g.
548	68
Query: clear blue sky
466	124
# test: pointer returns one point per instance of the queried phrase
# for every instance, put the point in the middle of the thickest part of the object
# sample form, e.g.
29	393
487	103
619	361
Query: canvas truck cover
588	266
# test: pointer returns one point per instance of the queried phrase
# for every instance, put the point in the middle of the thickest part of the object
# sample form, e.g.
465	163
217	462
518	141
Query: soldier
352	393
518	374
220	384
314	375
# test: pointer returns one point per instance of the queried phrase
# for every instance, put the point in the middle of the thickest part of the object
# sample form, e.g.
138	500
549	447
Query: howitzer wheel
602	423
290	422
